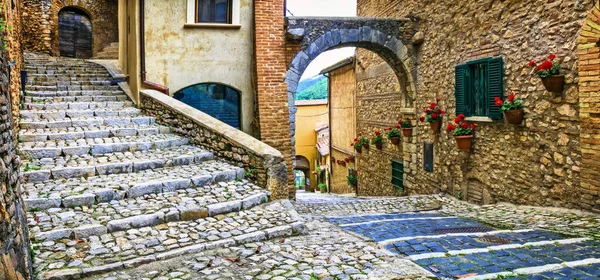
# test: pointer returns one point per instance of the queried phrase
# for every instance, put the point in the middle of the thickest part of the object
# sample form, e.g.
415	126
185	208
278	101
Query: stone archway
74	33
588	51
388	38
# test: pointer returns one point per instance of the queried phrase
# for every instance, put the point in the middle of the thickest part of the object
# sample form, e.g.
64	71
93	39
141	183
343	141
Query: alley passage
452	247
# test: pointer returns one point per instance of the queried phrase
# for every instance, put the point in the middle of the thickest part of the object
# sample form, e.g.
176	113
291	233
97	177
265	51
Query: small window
477	84
213	11
398	174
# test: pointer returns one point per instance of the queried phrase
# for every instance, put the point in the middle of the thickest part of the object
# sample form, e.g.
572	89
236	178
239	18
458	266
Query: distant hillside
312	88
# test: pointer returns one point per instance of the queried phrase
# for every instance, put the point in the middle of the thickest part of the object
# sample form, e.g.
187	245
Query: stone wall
537	163
262	162
15	259
40	23
342	96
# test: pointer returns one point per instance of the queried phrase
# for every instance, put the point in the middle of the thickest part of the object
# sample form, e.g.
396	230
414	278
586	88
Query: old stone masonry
107	188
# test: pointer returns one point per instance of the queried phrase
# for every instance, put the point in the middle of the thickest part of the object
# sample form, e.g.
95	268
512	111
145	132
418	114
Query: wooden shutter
397	174
460	89
495	86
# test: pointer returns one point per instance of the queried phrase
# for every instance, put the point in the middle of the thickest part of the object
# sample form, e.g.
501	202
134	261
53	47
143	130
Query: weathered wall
306	137
272	97
178	56
342	96
589	102
15	261
379	103
537	163
40	23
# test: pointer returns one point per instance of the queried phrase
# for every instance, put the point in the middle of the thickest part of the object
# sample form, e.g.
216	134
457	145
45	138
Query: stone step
86	122
59	115
59	88
34	170
118	186
69	83
77	133
98	146
76	92
37	78
191	203
42	106
80	98
66	71
72	258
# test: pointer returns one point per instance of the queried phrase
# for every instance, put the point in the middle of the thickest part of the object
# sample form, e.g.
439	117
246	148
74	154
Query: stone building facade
41	28
537	163
15	260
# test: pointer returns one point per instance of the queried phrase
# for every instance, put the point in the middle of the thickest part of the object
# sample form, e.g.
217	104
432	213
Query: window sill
213	25
479	119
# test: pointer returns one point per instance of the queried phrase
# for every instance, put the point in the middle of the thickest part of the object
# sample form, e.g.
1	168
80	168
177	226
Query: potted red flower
352	178
393	134
462	132
433	115
512	108
549	72
360	142
407	127
377	139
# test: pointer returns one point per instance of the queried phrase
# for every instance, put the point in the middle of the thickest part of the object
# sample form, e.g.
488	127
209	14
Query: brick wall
15	261
270	52
589	103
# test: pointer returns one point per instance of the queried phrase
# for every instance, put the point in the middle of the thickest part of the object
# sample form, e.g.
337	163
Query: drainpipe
152	85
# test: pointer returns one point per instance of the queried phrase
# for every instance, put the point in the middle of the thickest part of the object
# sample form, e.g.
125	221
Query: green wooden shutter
495	86
398	174
460	89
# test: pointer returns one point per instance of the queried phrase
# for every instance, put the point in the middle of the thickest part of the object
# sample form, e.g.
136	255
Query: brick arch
588	52
388	38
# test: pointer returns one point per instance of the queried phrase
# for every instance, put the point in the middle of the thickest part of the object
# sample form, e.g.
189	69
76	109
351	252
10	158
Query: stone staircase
107	188
109	52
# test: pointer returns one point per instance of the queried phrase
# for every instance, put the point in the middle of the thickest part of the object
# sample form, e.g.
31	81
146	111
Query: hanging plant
433	115
462	132
407	127
512	108
352	178
549	72
359	142
377	139
393	134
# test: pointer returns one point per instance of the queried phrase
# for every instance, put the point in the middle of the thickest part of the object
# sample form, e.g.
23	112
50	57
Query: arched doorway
302	173
74	33
217	100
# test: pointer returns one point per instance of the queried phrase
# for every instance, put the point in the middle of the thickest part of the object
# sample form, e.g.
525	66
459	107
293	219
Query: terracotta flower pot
407	132
514	116
358	149
464	142
366	146
436	125
554	83
379	146
395	140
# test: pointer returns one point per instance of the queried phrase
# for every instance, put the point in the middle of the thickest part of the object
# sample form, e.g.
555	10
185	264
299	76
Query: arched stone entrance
74	33
388	38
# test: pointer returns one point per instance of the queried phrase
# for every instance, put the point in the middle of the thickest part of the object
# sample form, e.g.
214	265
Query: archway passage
302	178
74	33
219	101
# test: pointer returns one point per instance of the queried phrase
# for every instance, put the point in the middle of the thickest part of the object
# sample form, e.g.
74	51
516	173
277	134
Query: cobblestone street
421	237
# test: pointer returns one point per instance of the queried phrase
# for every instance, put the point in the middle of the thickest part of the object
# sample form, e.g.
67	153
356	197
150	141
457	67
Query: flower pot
407	132
379	146
514	116
436	125
464	142
554	83
395	140
358	149
366	146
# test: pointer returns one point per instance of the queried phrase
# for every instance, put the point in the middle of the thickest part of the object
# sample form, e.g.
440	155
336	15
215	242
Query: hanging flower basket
464	142
512	108
395	140
554	83
435	126
407	132
379	146
433	115
359	142
377	140
366	146
358	149
514	116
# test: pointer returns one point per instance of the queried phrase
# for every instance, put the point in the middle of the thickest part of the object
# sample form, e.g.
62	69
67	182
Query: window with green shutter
398	174
477	83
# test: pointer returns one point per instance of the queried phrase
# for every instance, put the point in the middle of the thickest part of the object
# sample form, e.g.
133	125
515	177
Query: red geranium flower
355	139
451	127
397	126
498	101
465	125
434	115
377	133
442	112
461	116
551	56
422	118
511	97
432	106
356	173
546	65
532	64
351	144
472	126
457	120
409	121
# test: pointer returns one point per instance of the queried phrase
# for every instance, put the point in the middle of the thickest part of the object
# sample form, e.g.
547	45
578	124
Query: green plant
392	132
432	113
406	123
323	187
31	167
359	141
352	177
460	127
548	68
250	173
377	138
510	104
459	194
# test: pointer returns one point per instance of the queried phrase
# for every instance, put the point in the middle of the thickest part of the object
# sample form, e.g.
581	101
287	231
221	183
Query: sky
330	8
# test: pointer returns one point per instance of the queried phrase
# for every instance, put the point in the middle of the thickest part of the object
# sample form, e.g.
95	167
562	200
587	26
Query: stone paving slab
86	121
81	98
58	115
45	106
88	132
